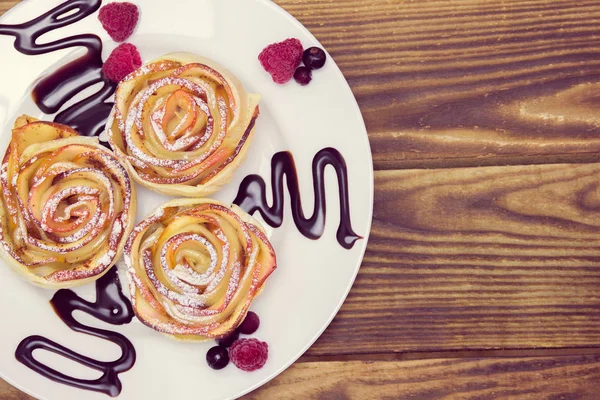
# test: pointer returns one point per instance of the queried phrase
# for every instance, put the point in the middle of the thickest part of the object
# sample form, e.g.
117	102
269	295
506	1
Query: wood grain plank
466	259
472	258
8	392
477	258
6	5
571	377
471	82
513	378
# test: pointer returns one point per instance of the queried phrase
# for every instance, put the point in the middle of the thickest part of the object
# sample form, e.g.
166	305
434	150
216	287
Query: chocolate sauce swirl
111	306
251	196
89	116
51	93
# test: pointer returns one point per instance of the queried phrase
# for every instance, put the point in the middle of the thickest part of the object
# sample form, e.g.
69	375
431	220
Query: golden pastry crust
195	266
182	124
67	205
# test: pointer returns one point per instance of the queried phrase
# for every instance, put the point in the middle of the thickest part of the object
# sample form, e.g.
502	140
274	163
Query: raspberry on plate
122	61
119	20
281	59
249	354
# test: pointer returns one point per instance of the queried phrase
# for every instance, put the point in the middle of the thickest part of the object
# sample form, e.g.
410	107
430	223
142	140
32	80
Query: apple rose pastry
67	206
195	266
182	124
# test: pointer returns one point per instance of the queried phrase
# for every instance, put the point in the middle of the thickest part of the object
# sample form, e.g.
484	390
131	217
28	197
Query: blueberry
217	357
314	57
303	75
227	340
250	323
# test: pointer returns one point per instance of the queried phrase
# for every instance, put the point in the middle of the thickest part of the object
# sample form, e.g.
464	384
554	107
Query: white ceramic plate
313	276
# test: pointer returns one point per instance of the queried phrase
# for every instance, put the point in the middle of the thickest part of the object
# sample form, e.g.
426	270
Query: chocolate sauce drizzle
50	94
89	117
110	306
251	196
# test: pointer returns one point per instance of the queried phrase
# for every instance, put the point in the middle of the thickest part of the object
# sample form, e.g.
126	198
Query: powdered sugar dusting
163	161
56	217
189	308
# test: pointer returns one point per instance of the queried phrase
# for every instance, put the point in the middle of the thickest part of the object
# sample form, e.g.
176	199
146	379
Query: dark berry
314	57
227	340
303	75
217	357
250	324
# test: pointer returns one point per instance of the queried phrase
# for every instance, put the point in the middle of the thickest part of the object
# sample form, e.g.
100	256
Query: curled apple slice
182	124
195	266
67	205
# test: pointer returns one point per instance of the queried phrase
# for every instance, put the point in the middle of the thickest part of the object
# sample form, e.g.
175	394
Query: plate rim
365	239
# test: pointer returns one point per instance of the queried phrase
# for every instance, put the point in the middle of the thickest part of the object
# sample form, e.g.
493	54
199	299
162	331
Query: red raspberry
119	20
281	59
249	354
122	61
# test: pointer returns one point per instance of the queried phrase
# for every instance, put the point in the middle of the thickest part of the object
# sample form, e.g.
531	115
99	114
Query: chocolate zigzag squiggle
89	117
251	196
50	94
110	306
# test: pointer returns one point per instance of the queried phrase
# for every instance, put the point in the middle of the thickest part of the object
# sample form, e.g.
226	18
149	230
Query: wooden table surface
482	275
